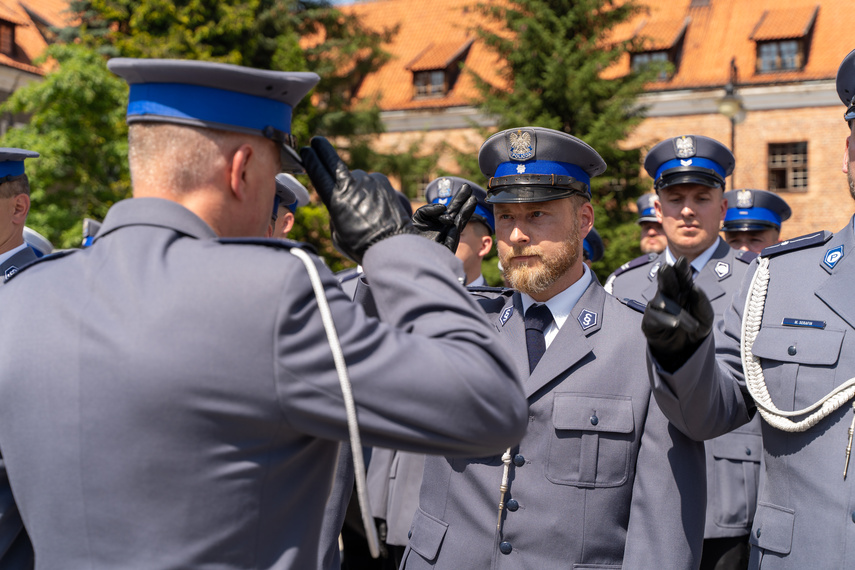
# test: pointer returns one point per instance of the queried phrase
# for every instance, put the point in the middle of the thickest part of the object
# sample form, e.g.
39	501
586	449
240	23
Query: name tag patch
803	323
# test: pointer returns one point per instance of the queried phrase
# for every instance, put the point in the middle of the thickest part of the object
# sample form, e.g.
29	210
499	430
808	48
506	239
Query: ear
586	218
657	206
22	208
486	246
289	222
238	168
846	157
723	205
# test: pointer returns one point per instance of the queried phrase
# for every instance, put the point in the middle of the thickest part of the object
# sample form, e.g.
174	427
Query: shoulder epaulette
270	242
637	262
49	257
485	289
745	256
634	305
794	244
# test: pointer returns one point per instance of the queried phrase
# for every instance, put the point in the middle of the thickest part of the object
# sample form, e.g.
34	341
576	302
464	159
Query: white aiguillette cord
349	405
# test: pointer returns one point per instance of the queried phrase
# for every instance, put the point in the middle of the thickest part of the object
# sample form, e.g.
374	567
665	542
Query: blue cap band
208	104
588	249
544	167
487	215
12	168
647	213
750	214
694	161
293	206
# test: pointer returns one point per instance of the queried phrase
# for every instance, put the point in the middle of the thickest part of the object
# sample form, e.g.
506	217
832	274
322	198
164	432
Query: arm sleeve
433	377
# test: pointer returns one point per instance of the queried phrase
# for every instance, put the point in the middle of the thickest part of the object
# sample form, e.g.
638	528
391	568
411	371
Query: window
429	84
643	59
788	167
7	38
780	56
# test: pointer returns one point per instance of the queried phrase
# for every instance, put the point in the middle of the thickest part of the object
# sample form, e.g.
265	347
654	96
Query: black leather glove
363	211
678	318
443	224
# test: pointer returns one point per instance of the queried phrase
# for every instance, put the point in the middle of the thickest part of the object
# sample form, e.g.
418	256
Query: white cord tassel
503	488
756	382
349	405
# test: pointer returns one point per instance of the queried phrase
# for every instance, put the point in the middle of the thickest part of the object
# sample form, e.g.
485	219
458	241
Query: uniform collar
561	304
700	261
479	282
155	212
12	252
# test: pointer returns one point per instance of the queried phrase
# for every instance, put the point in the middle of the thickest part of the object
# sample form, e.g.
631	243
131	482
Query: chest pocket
591	445
795	353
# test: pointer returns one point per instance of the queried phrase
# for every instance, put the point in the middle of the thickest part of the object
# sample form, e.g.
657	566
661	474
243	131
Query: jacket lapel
652	282
709	279
837	292
571	344
510	322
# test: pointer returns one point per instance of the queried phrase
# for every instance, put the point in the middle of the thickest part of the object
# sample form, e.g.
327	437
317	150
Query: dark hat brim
524	194
677	176
748	226
653	219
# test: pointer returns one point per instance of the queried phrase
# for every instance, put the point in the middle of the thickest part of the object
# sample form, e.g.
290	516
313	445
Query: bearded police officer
188	412
601	479
753	219
689	176
793	320
653	238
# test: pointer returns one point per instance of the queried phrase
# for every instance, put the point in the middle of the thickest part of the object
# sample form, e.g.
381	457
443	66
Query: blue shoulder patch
809	240
49	257
745	256
637	262
270	242
634	305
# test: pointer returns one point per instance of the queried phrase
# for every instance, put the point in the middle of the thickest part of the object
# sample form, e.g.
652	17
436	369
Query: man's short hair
11	188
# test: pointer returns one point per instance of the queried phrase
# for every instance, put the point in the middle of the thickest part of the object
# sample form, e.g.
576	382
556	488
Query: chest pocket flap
428	533
773	528
592	413
817	347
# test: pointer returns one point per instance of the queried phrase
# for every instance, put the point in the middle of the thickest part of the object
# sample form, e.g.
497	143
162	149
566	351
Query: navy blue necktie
537	318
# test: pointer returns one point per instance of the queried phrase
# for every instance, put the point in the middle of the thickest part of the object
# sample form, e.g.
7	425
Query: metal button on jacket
747	451
505	547
513	505
792	351
519	460
595	420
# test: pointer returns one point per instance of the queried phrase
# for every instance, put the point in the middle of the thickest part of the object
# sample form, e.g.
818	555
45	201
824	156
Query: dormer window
7	38
783	37
644	59
659	41
436	69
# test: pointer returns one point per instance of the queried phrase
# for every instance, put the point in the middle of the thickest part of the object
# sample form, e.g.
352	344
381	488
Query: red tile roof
662	34
785	24
29	41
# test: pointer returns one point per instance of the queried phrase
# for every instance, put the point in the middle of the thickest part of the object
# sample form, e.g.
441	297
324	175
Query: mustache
524	252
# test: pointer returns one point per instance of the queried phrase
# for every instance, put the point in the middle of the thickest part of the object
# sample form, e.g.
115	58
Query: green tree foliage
555	52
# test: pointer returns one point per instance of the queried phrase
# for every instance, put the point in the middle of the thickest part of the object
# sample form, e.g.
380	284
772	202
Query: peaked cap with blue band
846	85
593	246
749	210
216	96
444	189
12	163
689	159
533	164
290	192
646	209
37	242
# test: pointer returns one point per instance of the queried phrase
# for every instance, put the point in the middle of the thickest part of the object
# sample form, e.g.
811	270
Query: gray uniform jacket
188	412
15	263
733	460
601	478
806	510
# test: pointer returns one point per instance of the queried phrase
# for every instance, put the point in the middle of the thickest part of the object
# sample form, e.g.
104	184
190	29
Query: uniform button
853	517
513	505
757	534
792	351
519	460
594	420
747	451
506	547
410	534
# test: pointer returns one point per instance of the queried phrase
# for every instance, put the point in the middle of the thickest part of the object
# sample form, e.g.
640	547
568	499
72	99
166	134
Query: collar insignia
520	145
722	269
10	272
833	256
587	319
684	147
506	314
653	271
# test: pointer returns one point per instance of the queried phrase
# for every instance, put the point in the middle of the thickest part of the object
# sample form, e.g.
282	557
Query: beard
535	280
851	184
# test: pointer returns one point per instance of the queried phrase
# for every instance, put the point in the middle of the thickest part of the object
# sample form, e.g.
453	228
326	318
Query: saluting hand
443	224
678	318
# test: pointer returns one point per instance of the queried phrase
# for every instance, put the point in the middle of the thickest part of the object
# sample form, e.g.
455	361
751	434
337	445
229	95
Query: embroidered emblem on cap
653	271
684	147
745	199
444	187
587	319
520	145
722	269
11	271
506	314
520	168
686	162
832	256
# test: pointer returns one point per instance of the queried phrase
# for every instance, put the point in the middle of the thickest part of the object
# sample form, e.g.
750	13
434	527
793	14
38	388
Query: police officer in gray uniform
189	411
601	478
753	219
793	318
593	248
689	176
14	207
652	239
